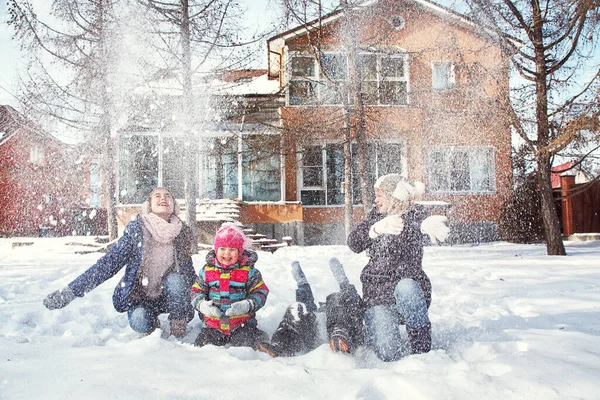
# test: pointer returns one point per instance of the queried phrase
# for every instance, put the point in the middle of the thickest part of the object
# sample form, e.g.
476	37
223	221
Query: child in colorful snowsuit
228	292
298	331
155	250
396	290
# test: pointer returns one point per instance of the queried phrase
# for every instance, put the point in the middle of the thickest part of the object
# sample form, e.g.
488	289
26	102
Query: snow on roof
248	86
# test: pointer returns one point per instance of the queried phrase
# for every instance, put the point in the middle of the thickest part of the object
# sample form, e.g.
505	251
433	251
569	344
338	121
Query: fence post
566	185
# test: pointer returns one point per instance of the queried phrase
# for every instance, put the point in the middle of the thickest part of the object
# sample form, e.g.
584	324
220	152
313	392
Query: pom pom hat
230	235
398	187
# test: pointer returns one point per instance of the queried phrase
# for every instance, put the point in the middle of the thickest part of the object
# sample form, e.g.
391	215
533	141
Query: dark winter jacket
127	252
227	285
391	257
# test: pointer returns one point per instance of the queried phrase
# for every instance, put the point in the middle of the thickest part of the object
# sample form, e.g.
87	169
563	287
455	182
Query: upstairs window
384	79
303	80
462	170
37	155
443	75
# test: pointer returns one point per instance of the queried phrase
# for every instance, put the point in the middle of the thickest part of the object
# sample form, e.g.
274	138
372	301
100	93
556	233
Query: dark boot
296	333
420	339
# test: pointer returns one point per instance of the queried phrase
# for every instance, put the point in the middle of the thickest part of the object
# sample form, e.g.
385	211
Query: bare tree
555	99
71	56
195	39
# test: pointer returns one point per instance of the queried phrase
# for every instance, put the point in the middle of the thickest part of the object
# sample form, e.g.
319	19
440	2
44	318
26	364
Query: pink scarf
161	230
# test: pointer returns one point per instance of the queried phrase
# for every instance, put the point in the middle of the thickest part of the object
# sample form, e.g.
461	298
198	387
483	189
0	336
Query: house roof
10	121
276	43
247	84
335	15
13	122
567	169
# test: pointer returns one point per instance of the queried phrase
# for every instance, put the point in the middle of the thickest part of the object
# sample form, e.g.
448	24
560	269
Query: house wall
471	114
37	198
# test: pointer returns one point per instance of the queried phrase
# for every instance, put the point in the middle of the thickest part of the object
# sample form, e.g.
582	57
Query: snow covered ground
509	322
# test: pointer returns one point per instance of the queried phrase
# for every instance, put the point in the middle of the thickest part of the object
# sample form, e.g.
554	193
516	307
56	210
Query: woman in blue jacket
155	250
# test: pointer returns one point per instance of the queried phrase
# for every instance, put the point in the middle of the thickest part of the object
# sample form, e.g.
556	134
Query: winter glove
207	308
239	308
392	225
59	299
435	227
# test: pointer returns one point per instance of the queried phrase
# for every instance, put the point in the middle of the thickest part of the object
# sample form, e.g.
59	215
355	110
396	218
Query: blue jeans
382	322
175	299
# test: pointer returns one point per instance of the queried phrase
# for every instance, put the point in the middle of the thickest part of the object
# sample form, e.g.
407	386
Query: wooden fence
579	209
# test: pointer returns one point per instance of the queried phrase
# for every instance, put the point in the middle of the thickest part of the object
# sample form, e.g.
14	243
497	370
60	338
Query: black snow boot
296	333
420	339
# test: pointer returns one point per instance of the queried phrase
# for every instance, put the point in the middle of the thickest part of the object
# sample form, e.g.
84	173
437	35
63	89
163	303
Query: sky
259	13
508	322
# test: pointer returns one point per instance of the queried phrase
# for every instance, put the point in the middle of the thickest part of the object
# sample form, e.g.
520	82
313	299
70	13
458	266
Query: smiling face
162	203
382	201
227	256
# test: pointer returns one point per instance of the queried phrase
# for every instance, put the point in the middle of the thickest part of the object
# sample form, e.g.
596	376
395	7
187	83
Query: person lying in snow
298	331
156	250
228	291
396	290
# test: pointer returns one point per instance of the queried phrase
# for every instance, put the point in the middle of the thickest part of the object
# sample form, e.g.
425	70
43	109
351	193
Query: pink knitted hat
230	235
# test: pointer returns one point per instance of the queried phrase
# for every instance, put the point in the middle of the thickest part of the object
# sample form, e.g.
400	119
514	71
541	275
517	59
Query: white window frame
380	79
324	187
473	153
37	155
320	82
451	78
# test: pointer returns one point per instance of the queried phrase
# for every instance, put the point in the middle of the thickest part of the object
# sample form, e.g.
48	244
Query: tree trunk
190	164
347	176
554	244
358	109
108	145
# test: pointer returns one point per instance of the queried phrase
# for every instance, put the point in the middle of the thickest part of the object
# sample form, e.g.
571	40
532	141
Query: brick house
37	187
434	87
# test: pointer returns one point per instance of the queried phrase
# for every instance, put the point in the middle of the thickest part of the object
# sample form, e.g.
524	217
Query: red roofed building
37	184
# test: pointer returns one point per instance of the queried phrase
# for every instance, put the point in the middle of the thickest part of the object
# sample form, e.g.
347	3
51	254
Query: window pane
371	170
389	158
229	158
392	67
312	156
95	184
173	166
312	197
334	66
303	66
393	92
442	75
369	92
261	176
335	173
330	93
367	66
482	170
459	171
138	168
437	172
302	92
312	176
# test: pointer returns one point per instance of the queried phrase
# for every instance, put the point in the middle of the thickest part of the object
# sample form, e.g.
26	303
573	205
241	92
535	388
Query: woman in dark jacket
155	250
396	290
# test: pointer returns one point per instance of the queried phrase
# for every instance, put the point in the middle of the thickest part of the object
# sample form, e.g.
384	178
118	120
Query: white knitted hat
398	187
